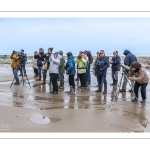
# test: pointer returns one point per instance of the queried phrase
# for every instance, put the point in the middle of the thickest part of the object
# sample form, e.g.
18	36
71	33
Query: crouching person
101	65
15	62
139	75
54	71
70	70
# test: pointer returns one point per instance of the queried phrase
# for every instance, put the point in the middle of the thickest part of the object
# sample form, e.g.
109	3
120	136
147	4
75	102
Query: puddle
40	119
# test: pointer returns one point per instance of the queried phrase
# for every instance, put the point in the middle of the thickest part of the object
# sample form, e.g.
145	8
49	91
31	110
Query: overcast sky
75	34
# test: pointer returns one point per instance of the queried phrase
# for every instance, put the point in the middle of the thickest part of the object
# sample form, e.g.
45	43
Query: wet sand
36	110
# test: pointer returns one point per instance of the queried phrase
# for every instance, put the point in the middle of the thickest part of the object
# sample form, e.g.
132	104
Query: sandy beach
25	109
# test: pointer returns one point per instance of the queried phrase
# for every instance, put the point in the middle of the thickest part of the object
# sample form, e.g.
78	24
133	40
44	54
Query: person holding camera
115	61
54	70
129	59
15	63
82	63
40	59
101	65
71	71
46	61
23	59
139	75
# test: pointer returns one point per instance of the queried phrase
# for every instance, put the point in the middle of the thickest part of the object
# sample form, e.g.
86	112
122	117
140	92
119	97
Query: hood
71	57
126	52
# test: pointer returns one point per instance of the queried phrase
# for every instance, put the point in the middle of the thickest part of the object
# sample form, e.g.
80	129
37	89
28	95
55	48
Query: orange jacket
15	60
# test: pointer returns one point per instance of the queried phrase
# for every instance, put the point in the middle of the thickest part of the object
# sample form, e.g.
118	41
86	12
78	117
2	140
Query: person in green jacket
81	63
61	70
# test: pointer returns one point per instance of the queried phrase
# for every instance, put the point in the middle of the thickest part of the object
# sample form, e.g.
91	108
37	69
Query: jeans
114	75
143	89
15	72
88	75
54	78
61	78
101	80
40	70
23	68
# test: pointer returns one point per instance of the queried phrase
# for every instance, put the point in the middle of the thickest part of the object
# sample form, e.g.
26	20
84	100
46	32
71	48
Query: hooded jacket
140	77
70	66
129	59
115	65
15	60
54	64
40	58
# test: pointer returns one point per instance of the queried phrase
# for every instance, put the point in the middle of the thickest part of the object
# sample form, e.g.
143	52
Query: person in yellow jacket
81	63
15	62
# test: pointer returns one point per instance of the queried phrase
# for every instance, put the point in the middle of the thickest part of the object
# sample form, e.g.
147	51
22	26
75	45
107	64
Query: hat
22	50
60	52
35	52
41	48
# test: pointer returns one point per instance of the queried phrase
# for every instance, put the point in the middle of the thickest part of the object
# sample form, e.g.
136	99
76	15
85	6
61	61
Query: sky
75	34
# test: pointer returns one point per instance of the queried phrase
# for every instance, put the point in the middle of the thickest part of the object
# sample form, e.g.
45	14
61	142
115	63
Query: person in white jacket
54	70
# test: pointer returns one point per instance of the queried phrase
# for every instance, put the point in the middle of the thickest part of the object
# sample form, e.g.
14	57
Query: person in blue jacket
115	61
101	65
129	59
71	71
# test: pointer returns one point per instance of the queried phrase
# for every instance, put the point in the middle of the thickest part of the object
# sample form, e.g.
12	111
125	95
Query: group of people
56	66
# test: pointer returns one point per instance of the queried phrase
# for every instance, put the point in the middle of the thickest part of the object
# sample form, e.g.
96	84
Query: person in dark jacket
102	64
46	60
23	59
71	71
61	70
115	61
129	59
40	60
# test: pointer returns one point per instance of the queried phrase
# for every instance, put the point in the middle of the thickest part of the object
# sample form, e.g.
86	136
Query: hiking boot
71	91
131	90
55	92
76	79
134	100
20	75
51	92
16	83
122	90
143	101
105	89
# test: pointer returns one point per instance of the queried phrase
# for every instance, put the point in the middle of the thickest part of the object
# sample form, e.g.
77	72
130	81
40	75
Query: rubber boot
99	88
113	83
143	101
105	89
71	90
39	79
44	79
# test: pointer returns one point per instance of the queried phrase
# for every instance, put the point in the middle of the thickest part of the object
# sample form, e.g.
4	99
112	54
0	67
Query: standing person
139	75
115	61
23	59
71	71
102	64
61	70
40	59
81	62
15	62
54	70
129	59
94	66
89	62
46	60
35	67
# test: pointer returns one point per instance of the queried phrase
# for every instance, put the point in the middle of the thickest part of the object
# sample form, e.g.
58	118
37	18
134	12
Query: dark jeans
23	68
101	80
40	70
143	89
71	80
35	71
82	78
15	71
54	78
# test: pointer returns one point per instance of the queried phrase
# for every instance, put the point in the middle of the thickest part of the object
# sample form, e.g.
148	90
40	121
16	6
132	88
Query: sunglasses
101	53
